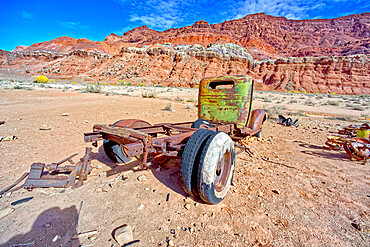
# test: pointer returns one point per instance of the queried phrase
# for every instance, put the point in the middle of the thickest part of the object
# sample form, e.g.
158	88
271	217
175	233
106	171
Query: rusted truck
206	146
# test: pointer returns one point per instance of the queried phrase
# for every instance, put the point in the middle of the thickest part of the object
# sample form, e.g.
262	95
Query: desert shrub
266	99
358	108
41	79
333	102
93	88
169	107
149	94
179	99
293	101
298	113
345	118
276	109
189	106
365	115
191	100
310	103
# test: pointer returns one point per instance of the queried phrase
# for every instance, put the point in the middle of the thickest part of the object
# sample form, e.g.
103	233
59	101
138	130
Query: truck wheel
190	160
114	150
216	168
199	122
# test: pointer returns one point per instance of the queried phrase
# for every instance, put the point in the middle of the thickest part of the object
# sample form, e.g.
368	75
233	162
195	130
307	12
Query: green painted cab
226	99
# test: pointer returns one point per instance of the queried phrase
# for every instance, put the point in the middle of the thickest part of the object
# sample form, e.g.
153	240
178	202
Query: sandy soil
305	196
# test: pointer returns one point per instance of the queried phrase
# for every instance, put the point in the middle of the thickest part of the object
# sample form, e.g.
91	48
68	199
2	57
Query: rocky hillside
302	55
185	65
262	35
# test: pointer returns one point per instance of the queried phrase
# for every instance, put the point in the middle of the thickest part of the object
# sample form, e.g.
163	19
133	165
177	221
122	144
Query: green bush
149	94
93	88
333	102
358	108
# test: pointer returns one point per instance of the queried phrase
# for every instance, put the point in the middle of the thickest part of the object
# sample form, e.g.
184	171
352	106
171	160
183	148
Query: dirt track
308	195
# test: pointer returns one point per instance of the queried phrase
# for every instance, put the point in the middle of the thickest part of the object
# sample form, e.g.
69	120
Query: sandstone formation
295	55
185	65
262	35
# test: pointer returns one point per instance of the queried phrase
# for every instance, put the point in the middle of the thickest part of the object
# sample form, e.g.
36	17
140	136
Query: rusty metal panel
226	99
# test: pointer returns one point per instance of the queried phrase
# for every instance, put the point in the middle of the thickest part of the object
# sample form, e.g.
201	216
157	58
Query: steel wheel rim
223	170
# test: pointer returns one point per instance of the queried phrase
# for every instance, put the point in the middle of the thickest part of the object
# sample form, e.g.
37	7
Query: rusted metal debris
288	121
351	130
58	176
224	106
357	148
14	184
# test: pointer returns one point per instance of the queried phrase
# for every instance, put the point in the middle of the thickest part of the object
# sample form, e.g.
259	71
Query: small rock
196	204
187	206
141	178
123	234
86	121
44	127
100	190
47	225
5	212
191	230
147	188
183	228
187	200
158	169
141	207
128	173
65	114
55	238
170	243
172	231
276	192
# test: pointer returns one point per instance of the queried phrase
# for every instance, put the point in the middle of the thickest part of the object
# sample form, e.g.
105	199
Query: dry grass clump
169	107
149	94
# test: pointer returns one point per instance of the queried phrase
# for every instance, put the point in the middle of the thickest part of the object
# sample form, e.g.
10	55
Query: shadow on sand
169	173
53	227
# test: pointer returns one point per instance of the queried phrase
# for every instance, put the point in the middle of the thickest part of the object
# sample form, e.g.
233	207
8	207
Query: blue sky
27	22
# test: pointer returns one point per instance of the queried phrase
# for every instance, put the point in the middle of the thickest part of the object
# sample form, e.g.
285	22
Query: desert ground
292	191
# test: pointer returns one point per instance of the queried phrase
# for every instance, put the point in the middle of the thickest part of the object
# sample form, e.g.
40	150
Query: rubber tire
218	143
113	150
199	122
190	160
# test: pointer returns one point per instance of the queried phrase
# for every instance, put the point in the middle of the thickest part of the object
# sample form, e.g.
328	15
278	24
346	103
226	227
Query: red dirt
305	195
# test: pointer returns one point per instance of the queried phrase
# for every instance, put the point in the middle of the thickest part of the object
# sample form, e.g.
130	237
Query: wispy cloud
26	15
165	14
160	14
123	30
294	9
72	24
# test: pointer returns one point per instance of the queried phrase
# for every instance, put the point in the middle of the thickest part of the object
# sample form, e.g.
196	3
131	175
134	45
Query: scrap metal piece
14	184
359	147
335	142
57	176
288	121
